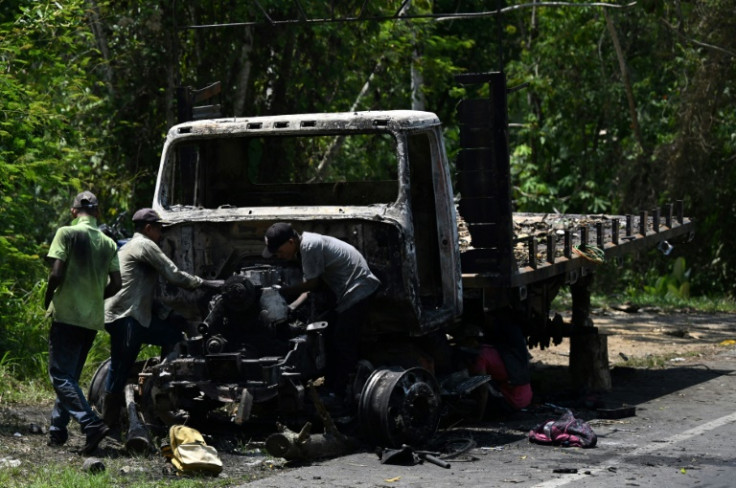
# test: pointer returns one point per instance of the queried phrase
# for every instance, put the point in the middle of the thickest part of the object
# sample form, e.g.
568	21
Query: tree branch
625	78
697	43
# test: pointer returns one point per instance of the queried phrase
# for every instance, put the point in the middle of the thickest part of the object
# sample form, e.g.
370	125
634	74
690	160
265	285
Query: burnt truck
451	257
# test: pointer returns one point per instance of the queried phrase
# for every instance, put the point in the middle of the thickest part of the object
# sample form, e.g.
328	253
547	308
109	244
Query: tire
96	392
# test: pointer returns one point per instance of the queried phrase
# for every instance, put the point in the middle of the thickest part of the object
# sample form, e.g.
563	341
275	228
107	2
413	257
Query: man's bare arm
56	276
296	290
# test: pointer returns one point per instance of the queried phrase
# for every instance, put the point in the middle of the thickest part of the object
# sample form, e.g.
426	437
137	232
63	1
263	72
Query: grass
652	361
28	391
674	304
26	461
66	476
667	304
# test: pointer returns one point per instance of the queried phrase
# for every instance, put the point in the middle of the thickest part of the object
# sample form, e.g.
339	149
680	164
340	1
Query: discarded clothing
567	431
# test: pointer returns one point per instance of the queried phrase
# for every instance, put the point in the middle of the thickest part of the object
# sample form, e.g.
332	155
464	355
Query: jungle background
622	106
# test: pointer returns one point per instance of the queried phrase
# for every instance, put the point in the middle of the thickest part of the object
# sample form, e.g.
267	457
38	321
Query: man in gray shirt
129	316
337	264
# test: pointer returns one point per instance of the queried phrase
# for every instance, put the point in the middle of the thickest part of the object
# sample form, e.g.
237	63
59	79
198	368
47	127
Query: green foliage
650	361
48	140
25	341
676	284
87	92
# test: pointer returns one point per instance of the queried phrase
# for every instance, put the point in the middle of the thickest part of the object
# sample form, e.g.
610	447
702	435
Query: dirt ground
646	339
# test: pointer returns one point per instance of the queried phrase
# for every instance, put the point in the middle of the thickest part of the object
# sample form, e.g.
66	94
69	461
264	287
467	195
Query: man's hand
216	284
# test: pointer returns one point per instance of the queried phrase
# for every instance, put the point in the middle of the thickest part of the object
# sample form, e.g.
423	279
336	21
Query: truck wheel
363	371
96	393
400	407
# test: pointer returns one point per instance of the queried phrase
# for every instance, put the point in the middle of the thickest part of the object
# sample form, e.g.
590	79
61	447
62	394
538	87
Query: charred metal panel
217	250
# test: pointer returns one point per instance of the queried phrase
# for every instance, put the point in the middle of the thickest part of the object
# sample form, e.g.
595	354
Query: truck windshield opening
252	171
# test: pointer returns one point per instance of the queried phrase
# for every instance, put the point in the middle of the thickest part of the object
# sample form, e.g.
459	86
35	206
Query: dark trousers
127	336
68	349
343	344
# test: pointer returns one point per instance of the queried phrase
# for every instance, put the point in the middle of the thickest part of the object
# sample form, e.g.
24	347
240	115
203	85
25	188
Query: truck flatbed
551	244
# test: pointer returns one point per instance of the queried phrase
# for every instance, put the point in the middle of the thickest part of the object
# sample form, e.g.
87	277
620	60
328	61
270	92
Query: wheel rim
400	407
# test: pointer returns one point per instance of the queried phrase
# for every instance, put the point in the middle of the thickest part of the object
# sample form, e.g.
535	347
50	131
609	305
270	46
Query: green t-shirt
90	256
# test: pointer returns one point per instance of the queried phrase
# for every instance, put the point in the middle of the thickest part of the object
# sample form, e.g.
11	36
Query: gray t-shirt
340	265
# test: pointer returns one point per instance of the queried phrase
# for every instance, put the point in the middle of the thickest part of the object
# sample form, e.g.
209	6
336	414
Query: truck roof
318	122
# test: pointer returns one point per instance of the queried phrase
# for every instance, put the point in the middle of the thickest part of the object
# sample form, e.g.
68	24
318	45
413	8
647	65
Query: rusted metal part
137	440
504	247
304	445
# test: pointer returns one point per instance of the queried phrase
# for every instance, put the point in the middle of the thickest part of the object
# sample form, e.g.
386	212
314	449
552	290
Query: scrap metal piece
93	465
244	407
408	456
137	439
304	445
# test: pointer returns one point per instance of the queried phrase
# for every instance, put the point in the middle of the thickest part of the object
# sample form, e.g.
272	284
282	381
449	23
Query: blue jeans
68	349
127	336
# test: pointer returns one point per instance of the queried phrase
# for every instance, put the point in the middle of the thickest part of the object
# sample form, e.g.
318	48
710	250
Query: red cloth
489	362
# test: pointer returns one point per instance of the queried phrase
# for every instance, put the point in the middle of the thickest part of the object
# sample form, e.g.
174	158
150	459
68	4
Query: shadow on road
552	388
631	386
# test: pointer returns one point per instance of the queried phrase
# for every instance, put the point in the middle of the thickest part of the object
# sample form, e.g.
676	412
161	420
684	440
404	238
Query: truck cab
378	180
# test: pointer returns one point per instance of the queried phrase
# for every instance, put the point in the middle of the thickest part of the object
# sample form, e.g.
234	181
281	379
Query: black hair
140	225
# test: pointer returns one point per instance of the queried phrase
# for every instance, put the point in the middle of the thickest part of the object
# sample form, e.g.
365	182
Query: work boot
111	406
57	438
95	434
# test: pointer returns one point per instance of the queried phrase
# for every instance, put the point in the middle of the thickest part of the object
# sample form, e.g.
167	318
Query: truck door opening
424	216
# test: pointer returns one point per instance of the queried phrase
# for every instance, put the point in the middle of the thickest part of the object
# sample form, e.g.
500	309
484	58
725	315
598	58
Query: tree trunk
243	77
624	78
589	361
102	44
588	349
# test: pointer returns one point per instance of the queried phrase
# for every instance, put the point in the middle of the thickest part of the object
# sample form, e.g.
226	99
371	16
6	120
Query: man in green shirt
84	271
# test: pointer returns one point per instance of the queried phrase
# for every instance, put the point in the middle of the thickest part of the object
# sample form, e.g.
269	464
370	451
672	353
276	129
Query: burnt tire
96	392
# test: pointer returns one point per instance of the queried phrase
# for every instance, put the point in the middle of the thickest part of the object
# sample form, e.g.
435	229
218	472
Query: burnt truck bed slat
532	231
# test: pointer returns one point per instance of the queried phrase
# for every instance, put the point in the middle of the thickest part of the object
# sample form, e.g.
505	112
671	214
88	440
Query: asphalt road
683	434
